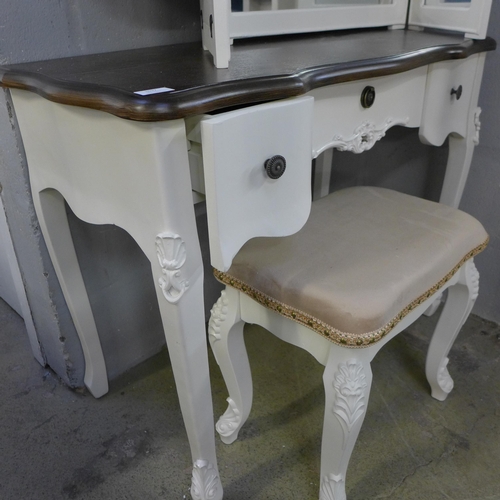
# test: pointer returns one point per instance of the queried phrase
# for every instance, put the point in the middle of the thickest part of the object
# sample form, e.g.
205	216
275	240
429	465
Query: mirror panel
258	5
444	2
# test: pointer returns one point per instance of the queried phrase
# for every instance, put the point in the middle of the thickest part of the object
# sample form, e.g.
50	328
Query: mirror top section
261	70
270	5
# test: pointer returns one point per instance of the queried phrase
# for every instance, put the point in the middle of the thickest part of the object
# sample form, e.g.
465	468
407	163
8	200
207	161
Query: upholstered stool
368	262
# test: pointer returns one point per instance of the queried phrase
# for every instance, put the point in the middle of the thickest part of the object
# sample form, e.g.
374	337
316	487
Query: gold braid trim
355	340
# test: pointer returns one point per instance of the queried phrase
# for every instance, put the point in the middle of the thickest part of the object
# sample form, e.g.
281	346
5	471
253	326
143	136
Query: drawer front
354	116
243	201
448	95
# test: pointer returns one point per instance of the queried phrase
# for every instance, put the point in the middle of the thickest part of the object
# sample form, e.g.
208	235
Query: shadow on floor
61	444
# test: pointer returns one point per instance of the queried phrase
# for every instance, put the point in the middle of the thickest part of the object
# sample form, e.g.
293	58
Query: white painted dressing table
136	160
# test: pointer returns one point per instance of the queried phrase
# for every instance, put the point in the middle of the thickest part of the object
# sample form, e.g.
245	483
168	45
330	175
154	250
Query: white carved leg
182	312
461	298
51	211
226	338
460	154
347	378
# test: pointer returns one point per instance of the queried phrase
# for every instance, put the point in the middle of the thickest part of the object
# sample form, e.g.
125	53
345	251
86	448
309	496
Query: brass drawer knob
368	97
457	92
275	166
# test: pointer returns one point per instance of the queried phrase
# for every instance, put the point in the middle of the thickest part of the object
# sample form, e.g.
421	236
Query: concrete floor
61	444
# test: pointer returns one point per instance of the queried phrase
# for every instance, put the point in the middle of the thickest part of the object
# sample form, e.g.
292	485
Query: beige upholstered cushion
365	258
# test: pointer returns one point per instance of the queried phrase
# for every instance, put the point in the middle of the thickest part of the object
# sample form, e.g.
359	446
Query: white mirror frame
227	25
220	25
470	18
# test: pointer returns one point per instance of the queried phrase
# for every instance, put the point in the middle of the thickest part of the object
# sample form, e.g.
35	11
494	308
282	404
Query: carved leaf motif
477	124
205	483
333	488
230	421
350	384
218	315
365	136
171	252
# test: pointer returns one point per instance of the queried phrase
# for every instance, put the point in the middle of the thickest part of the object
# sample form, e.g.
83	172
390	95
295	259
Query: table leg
182	312
51	212
460	154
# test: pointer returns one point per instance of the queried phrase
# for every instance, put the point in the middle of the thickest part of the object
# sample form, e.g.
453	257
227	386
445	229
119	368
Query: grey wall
482	192
117	275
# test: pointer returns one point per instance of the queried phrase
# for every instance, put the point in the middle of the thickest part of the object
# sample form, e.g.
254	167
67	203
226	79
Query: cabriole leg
347	378
51	212
461	298
226	338
181	308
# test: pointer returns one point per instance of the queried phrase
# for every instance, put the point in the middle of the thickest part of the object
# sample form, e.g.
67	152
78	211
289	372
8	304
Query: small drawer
243	200
449	90
354	116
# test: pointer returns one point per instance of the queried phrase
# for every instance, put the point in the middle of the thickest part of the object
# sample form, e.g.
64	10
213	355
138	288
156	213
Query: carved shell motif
350	384
205	483
171	252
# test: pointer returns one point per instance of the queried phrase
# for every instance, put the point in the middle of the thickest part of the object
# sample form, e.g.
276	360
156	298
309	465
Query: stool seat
365	258
366	265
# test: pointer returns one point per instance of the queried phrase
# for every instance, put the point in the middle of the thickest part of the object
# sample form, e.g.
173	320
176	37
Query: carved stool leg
461	298
347	378
226	338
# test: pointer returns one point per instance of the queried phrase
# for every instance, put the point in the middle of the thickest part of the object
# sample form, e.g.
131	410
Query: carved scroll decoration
171	251
365	136
333	488
474	280
218	315
205	483
444	379
350	401
230	421
477	124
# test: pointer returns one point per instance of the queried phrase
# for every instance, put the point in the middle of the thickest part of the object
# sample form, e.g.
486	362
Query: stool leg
347	378
226	338
461	298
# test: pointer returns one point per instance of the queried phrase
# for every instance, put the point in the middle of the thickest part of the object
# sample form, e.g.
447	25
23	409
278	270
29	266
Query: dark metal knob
368	97
457	92
275	166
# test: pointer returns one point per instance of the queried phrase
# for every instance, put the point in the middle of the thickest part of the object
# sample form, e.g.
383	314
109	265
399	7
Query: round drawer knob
457	92
275	166
368	97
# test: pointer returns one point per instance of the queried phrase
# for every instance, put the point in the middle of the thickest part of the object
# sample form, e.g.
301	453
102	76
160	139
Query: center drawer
354	116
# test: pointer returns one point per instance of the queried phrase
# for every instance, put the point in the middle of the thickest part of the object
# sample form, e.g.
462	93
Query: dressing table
129	138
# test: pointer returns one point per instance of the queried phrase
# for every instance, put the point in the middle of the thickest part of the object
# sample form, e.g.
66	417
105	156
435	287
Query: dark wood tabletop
260	70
